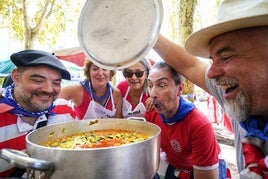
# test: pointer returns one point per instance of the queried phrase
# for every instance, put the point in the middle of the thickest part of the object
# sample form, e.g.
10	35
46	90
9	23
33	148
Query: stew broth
98	139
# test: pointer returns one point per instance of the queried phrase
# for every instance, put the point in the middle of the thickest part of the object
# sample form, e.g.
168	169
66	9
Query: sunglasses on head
129	73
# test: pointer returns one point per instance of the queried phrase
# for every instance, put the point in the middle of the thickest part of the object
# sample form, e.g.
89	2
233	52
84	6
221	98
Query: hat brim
198	43
64	73
36	57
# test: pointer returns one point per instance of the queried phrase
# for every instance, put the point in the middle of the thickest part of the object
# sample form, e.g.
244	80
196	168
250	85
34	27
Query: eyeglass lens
129	74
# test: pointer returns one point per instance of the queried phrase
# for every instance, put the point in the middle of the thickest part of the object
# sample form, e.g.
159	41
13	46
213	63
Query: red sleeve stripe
17	143
7	119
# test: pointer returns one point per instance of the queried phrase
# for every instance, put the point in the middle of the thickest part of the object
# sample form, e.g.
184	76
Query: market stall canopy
74	55
6	66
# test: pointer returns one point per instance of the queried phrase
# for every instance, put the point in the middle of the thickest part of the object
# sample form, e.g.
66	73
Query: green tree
186	20
178	20
183	17
37	20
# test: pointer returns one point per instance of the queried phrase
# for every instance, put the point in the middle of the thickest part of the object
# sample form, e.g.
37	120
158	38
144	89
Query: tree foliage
186	12
186	16
37	20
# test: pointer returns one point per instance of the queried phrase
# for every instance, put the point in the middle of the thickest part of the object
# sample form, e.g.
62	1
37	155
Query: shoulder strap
86	86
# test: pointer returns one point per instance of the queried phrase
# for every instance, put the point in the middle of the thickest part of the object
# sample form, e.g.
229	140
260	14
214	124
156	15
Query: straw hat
232	15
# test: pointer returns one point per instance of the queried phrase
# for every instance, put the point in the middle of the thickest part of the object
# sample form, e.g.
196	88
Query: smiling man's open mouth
229	86
230	89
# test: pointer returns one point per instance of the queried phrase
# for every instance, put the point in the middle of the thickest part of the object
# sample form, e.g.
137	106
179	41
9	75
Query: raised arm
176	56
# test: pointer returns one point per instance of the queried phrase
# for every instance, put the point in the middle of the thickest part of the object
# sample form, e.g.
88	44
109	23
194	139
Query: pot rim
32	134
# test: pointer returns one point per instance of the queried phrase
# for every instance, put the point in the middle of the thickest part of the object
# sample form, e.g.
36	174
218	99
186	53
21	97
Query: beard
236	108
28	100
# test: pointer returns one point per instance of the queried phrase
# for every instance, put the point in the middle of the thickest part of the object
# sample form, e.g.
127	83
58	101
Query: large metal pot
138	160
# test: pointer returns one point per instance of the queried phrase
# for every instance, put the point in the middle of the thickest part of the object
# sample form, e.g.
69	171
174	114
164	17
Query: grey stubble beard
236	108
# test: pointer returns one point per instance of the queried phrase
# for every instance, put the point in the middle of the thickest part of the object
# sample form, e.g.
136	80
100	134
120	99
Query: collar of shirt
25	127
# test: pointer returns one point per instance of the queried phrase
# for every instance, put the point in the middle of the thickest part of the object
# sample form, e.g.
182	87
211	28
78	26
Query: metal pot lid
115	34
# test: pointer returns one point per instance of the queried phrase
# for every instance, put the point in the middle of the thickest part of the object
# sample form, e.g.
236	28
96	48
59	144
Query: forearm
173	53
183	62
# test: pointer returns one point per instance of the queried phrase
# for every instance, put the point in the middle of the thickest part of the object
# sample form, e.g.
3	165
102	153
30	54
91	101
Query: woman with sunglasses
134	89
94	97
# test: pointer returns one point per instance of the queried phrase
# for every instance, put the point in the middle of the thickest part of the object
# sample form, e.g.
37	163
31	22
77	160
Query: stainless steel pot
136	161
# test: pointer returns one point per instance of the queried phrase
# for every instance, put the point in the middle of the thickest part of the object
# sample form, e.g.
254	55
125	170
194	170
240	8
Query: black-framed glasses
129	73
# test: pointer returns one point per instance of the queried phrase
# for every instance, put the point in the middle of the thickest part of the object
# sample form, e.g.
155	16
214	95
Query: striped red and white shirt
13	130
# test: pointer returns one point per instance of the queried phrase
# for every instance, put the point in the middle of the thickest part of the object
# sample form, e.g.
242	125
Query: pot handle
22	160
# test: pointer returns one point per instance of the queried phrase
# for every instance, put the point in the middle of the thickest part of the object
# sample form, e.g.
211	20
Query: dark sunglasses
129	74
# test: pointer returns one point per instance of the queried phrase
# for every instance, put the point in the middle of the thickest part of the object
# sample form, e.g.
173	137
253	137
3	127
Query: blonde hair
87	66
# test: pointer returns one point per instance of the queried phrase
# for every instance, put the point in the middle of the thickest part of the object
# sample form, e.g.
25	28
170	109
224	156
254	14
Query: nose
134	76
216	70
101	71
153	92
48	87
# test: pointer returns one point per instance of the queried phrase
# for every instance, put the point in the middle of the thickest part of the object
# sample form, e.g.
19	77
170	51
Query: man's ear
15	75
180	89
